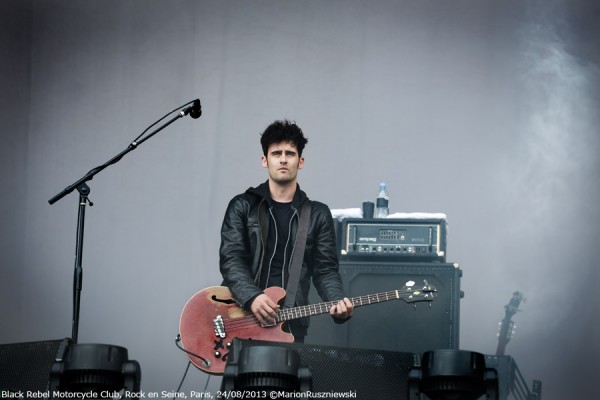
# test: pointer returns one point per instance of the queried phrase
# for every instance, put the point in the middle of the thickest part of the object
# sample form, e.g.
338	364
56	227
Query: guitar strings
303	311
282	315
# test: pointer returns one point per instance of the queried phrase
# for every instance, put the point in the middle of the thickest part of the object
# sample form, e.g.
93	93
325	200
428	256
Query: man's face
283	162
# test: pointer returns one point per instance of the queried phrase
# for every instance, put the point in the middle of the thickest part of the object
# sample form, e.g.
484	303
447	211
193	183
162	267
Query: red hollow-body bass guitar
211	319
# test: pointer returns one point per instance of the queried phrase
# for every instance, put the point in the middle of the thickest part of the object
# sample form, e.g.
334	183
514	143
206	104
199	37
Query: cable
178	339
187	368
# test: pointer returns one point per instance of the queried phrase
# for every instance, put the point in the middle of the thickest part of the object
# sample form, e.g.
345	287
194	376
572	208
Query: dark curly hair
283	131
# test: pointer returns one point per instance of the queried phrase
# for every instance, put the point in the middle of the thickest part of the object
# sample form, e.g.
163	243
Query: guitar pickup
219	326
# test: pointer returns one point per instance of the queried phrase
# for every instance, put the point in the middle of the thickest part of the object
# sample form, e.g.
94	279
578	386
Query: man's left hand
343	309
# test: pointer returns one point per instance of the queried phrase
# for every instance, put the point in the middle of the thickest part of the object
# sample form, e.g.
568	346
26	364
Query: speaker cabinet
26	366
354	373
395	325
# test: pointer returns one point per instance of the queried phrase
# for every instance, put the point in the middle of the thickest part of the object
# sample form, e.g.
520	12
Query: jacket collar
262	191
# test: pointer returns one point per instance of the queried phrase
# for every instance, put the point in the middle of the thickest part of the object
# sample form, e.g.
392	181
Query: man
259	232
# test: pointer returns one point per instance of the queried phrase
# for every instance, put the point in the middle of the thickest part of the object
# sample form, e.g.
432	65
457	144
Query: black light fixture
266	368
452	375
99	368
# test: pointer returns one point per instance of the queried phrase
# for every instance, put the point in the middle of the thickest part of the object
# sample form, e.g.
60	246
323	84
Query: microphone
195	110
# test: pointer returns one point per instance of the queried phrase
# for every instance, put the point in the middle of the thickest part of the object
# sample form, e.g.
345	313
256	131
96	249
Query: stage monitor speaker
354	373
395	325
26	366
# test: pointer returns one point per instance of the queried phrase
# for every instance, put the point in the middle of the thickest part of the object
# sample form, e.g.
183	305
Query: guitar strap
298	256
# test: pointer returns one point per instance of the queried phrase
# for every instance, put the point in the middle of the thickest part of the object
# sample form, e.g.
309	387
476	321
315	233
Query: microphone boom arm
132	146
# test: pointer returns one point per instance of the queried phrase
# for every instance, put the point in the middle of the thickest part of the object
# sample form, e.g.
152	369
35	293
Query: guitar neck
287	314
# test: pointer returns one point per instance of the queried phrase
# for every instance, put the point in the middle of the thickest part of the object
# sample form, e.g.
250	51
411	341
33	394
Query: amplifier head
398	239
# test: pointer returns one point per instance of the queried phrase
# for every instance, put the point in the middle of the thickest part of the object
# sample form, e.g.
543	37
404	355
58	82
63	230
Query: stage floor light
268	369
453	375
99	368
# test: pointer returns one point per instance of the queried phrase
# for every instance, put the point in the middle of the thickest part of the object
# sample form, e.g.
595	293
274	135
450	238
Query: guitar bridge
269	324
219	327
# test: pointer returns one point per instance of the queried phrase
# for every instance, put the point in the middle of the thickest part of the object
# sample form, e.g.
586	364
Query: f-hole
224	301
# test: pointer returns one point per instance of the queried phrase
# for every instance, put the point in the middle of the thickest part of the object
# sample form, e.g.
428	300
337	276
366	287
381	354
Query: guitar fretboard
287	314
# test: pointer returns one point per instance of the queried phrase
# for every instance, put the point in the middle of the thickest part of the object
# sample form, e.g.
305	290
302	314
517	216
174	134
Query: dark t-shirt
278	248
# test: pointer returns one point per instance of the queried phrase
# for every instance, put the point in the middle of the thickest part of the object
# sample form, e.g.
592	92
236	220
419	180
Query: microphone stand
84	191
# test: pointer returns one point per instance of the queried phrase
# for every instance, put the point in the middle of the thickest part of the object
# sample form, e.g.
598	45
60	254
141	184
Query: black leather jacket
243	244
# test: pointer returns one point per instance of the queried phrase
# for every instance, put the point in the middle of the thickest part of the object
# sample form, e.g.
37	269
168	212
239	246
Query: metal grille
26	366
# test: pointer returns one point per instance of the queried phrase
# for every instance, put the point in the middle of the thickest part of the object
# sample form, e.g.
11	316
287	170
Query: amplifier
397	239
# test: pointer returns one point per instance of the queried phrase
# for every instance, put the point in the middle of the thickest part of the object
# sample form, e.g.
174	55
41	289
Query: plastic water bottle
382	204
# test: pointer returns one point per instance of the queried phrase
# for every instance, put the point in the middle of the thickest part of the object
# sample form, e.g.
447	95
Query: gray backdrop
484	110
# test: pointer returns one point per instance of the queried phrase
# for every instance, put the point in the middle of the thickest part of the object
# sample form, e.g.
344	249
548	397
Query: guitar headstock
413	293
513	305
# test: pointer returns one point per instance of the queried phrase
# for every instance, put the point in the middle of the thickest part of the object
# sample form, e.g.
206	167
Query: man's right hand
264	309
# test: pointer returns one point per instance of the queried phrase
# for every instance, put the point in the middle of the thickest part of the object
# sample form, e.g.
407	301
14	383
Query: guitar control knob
228	345
217	354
